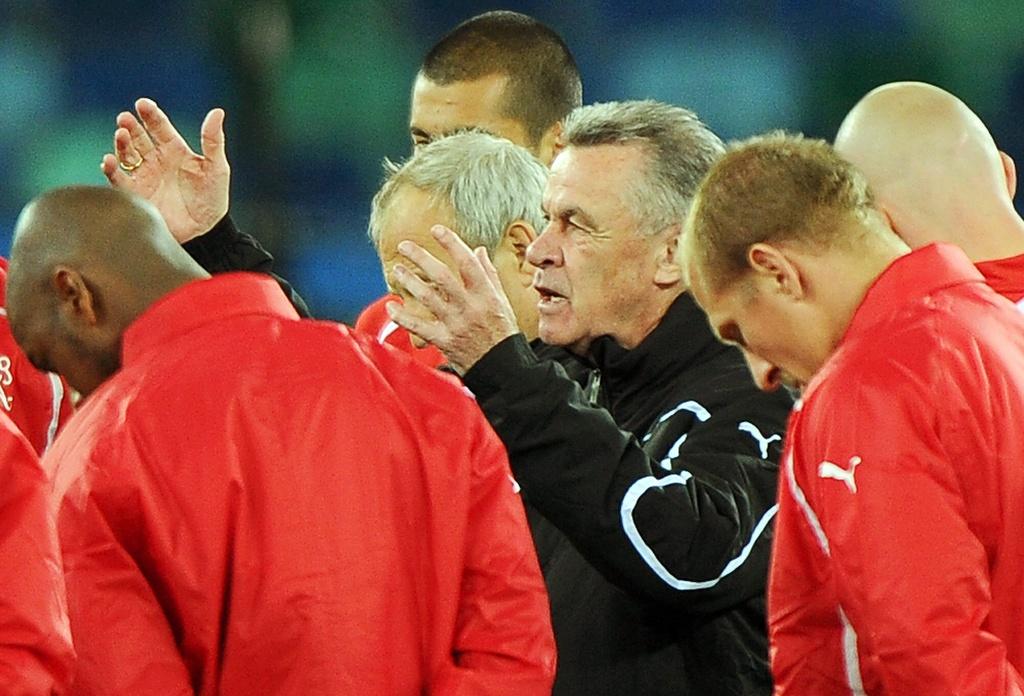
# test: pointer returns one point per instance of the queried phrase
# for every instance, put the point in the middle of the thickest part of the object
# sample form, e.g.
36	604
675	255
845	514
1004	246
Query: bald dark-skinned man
243	530
939	177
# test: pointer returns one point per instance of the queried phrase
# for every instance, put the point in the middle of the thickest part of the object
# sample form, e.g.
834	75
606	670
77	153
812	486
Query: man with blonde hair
939	177
897	559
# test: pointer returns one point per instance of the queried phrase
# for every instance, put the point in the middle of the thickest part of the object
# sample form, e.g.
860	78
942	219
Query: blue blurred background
317	91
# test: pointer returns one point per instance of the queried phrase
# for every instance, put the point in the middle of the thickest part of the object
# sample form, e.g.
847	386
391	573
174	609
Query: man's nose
767	376
544	250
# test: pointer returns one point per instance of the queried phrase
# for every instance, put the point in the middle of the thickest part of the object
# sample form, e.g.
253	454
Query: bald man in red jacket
322	517
939	177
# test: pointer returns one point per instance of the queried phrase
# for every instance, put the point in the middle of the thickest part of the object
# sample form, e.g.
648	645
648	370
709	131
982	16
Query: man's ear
670	269
550	144
776	270
518	236
1010	170
74	296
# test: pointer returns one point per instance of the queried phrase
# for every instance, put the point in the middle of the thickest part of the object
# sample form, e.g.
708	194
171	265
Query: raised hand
471	311
152	160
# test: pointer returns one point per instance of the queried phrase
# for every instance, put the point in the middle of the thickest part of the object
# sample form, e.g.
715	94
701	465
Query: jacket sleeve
124	643
690	530
504	645
36	656
911	576
225	248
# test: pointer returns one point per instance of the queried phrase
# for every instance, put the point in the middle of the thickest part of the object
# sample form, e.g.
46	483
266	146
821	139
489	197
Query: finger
469	266
427	329
425	292
124	148
114	173
433	270
212	137
140	139
489	270
159	127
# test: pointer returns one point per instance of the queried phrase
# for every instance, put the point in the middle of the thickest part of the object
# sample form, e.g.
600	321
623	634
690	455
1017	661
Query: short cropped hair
543	81
487	182
680	151
773	188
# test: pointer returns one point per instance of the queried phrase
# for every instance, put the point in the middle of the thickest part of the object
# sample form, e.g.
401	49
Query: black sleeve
225	248
696	536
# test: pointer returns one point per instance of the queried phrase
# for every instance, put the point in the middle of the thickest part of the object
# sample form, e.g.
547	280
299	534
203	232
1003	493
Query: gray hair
680	149
488	183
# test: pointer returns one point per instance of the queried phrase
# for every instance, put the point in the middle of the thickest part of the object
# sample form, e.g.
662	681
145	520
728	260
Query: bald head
935	169
85	262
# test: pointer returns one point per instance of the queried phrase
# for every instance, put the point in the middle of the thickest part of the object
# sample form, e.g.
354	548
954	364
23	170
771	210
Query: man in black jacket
668	492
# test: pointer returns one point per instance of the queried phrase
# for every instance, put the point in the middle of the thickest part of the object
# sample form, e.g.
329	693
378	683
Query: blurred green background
317	91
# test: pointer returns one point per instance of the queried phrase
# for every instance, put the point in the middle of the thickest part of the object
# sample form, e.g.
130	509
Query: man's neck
844	291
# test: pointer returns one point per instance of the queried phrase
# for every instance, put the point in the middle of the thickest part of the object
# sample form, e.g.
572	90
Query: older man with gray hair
487	189
666	490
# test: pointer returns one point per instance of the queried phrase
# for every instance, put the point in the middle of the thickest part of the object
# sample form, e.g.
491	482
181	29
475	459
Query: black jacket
225	248
667	498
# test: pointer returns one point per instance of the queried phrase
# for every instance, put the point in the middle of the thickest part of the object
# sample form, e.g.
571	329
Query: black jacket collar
632	379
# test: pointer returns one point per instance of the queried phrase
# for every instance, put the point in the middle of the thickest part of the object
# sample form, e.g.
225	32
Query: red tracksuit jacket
36	657
1006	276
255	504
38	402
899	545
375	321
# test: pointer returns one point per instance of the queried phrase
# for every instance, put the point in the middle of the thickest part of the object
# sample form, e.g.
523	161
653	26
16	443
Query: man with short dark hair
502	72
897	566
666	495
231	517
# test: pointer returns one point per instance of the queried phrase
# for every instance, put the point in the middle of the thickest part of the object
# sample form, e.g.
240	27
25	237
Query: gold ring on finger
129	167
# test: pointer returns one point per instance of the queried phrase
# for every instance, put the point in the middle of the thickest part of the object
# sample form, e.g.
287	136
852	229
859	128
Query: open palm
189	189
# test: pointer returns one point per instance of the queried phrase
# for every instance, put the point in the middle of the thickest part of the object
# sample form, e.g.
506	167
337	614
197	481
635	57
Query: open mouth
550	299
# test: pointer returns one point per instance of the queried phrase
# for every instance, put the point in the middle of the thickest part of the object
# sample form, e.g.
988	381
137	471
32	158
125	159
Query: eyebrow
417	132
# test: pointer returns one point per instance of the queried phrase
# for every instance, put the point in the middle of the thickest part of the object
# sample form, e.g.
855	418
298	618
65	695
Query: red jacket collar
203	302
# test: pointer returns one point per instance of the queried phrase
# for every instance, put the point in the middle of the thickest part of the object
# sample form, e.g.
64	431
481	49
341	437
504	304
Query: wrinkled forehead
599	179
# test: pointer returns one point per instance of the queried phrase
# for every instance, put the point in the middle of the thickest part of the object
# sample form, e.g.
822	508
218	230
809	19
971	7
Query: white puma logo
762	441
830	470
